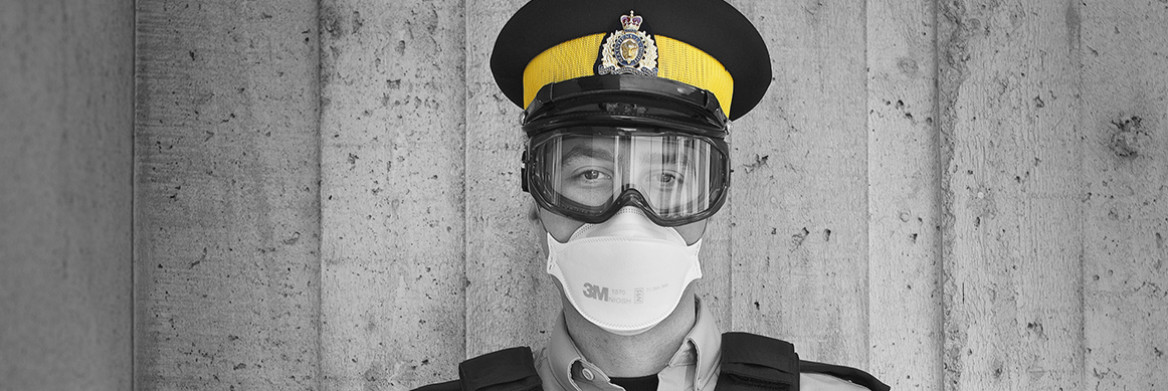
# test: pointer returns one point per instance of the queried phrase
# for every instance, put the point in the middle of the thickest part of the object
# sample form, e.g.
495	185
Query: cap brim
625	101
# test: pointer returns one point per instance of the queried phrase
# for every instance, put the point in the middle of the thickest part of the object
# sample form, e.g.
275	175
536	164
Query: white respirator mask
626	274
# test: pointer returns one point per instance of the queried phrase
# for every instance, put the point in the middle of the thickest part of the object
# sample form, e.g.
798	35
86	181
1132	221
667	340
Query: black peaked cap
713	26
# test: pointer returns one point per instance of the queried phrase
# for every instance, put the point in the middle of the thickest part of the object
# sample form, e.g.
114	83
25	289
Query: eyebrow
668	158
585	151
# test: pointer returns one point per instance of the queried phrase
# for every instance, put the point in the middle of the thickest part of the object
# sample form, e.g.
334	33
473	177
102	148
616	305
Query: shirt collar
701	348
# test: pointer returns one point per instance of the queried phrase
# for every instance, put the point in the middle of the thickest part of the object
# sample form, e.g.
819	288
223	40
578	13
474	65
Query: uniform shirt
694	367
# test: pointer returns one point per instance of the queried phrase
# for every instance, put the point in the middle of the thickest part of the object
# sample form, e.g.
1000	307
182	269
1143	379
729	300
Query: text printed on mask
619	296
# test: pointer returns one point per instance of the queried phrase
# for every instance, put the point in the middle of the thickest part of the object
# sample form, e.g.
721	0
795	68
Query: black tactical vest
749	362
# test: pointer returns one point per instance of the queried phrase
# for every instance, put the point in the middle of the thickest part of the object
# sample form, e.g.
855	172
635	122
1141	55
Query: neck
634	355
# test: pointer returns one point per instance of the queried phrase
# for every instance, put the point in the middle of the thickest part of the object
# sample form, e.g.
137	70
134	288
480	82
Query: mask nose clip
629	222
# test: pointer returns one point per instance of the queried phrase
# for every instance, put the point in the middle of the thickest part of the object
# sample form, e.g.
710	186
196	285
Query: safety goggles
588	173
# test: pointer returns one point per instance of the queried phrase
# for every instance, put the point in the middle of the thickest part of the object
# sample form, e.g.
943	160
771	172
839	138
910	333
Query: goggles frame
533	184
629	104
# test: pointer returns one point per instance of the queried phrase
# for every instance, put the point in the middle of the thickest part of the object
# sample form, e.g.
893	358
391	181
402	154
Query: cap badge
628	51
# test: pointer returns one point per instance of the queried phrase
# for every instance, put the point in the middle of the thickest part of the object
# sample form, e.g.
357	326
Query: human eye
592	176
589	185
666	179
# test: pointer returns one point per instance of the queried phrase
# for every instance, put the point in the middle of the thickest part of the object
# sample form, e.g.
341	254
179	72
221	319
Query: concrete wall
226	197
66	122
392	222
1013	191
1054	186
956	195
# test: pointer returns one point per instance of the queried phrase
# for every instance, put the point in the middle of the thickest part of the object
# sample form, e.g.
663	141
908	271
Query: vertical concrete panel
1125	145
510	300
799	226
904	259
715	288
392	130
1012	195
65	216
226	197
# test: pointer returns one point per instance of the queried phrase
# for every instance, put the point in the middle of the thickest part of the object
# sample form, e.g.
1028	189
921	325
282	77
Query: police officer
627	105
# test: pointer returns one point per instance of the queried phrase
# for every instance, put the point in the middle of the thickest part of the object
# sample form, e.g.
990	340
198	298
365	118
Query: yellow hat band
677	61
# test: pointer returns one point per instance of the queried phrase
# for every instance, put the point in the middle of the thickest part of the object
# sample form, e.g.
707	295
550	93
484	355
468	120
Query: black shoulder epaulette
505	370
847	373
755	362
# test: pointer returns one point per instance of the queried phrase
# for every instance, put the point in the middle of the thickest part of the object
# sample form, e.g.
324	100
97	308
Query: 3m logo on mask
595	292
618	295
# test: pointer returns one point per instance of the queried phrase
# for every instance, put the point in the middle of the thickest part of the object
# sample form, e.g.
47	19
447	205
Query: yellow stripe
676	60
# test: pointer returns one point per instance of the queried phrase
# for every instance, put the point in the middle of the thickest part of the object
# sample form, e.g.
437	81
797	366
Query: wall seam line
466	318
939	208
319	92
133	195
1077	53
867	191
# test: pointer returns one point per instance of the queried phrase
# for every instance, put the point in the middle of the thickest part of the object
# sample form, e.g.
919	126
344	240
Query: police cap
693	61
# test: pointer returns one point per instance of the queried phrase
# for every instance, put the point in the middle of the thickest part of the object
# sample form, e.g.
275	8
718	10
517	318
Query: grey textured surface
904	236
509	298
1123	127
1012	195
392	193
798	224
226	196
954	195
66	112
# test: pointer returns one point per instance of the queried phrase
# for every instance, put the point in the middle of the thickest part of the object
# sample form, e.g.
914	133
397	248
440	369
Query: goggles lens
588	174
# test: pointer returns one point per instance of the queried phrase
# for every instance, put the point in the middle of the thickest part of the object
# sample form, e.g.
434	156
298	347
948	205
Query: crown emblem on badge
628	51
